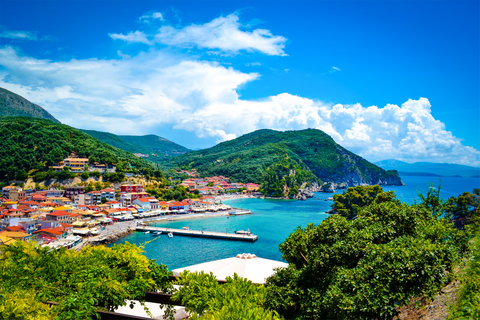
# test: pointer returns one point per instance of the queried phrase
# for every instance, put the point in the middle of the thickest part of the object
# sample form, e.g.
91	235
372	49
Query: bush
365	268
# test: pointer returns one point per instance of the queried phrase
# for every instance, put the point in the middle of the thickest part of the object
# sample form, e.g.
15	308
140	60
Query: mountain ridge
438	169
13	105
247	158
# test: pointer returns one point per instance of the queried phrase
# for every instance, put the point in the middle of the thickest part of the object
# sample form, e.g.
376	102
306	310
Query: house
135	188
143	203
95	196
108	193
71	192
59	216
75	164
55	193
128	198
27	224
6	191
114	204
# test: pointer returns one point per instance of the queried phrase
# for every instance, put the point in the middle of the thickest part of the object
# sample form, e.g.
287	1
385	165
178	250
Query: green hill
249	157
28	145
12	105
157	148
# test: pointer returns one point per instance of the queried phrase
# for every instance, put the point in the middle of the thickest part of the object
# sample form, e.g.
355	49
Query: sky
385	79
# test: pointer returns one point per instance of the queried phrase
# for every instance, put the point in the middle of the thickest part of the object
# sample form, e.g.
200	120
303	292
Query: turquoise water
272	221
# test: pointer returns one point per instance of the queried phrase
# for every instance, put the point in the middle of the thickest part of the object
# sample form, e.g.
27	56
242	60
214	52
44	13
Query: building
108	193
75	164
131	188
128	198
58	216
6	191
71	192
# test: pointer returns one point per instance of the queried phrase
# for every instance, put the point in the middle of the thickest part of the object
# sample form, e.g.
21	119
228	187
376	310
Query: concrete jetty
200	234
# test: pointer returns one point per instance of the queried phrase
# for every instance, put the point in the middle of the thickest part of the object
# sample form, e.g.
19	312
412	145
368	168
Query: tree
351	201
95	278
238	298
103	200
85	175
367	267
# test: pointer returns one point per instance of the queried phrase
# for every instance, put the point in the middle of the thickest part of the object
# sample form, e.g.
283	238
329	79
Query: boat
185	228
239	212
243	232
147	232
170	235
157	233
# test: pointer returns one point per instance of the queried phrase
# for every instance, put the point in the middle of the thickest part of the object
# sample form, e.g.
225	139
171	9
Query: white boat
157	233
170	235
239	212
147	232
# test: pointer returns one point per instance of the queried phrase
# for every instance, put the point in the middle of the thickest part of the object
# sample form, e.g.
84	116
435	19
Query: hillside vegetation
29	145
12	105
157	148
249	157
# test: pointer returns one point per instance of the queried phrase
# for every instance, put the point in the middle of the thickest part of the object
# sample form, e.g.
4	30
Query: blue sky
386	79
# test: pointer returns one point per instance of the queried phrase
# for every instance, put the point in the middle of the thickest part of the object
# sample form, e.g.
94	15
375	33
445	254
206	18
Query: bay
272	220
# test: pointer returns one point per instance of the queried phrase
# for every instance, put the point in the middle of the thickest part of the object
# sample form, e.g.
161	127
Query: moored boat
170	235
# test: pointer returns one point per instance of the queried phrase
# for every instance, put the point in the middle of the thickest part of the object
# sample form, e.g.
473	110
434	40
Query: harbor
241	236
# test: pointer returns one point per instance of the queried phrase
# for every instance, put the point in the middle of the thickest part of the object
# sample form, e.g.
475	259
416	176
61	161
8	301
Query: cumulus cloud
223	33
139	94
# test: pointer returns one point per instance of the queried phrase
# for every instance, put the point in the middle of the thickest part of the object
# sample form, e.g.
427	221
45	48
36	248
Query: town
63	216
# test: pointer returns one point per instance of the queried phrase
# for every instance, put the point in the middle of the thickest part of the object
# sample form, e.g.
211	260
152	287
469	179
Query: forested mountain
249	157
441	169
29	145
157	148
11	104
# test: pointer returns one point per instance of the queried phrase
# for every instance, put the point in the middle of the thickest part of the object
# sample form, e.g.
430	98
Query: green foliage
365	268
81	282
177	193
248	157
285	178
237	299
156	147
350	202
468	304
85	175
33	145
21	305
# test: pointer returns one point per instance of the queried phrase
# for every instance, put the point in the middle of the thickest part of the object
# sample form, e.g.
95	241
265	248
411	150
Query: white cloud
222	33
335	69
20	35
139	94
136	36
146	18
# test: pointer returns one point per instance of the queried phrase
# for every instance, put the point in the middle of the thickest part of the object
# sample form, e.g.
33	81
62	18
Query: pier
200	234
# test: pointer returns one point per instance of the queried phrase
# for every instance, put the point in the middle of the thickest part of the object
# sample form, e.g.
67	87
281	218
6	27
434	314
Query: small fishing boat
170	235
157	233
147	232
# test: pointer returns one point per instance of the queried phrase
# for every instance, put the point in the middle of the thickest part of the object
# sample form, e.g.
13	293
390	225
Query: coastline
120	229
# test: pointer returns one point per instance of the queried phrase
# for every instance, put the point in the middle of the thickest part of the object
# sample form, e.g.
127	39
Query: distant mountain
440	169
13	105
157	148
249	157
29	145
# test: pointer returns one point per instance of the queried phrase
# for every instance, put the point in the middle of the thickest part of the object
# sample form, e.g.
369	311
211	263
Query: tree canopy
365	268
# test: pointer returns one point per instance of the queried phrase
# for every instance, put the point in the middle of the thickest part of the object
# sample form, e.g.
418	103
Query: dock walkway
201	234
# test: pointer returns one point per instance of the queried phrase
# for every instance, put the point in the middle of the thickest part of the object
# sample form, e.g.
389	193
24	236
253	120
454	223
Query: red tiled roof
14	228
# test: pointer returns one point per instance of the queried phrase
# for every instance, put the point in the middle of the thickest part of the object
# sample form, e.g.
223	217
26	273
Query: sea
272	220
